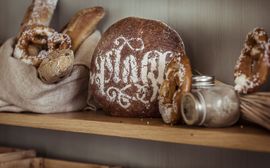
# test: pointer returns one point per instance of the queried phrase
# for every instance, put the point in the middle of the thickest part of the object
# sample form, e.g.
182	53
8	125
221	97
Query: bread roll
82	24
128	66
40	12
57	66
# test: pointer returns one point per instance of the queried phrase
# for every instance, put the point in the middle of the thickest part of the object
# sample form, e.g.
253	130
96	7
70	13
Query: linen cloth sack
22	90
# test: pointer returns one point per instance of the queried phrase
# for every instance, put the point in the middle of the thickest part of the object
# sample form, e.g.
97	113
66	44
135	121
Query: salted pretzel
59	41
251	70
36	41
35	36
177	81
39	12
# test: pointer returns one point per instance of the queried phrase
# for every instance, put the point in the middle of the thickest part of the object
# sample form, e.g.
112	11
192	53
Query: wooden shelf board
243	138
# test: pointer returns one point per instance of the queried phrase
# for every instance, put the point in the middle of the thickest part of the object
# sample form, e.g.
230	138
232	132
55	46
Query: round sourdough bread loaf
128	66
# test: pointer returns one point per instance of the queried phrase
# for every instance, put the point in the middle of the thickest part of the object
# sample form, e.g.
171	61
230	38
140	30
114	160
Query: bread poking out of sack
49	51
31	42
82	24
40	12
22	90
57	66
37	41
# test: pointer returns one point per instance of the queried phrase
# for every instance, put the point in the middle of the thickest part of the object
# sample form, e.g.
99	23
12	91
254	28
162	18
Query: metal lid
203	81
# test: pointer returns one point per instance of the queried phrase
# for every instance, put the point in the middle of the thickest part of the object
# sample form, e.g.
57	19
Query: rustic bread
82	24
128	66
57	66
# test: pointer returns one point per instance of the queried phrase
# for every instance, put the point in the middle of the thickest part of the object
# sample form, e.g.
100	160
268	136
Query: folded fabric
22	90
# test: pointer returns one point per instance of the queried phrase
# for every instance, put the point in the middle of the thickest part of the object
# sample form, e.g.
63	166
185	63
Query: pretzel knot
251	70
36	41
177	81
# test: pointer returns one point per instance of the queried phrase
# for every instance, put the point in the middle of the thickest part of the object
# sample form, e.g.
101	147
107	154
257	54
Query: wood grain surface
47	163
244	137
16	155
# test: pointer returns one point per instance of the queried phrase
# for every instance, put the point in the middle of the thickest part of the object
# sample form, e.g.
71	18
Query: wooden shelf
237	137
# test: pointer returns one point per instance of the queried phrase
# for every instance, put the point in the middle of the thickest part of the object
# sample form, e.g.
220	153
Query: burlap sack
22	90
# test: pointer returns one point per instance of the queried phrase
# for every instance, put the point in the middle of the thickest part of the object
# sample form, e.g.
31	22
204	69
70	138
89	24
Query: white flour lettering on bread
129	72
128	66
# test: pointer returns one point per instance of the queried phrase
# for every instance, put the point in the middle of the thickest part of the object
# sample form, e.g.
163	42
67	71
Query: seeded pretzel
252	67
177	81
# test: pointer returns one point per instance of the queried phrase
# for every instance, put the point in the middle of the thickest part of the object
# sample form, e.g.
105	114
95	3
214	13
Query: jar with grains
210	105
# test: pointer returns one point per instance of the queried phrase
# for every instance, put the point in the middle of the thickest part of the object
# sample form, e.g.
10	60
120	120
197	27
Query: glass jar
210	105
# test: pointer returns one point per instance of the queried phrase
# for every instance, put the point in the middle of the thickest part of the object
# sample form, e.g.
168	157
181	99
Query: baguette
82	24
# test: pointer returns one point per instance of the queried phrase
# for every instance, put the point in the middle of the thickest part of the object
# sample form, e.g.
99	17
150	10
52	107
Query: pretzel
36	41
251	70
59	41
39	12
177	81
33	36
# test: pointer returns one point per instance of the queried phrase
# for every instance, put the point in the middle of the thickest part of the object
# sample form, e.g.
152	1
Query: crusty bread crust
128	66
40	12
82	24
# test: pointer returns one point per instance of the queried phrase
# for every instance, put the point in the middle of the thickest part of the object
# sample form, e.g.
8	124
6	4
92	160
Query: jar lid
203	81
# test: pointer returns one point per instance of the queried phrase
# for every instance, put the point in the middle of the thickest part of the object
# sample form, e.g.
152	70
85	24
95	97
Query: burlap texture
22	90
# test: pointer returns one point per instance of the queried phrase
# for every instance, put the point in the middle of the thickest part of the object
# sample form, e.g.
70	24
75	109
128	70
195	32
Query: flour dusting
145	73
